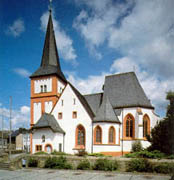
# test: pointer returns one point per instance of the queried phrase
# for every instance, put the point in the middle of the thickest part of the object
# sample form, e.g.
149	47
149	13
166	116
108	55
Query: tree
162	135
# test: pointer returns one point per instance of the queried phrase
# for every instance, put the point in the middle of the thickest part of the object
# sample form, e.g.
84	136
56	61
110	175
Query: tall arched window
146	125
112	135
80	136
129	126
98	135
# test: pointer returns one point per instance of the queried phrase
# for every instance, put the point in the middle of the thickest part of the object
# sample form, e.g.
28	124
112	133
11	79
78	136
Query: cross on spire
50	6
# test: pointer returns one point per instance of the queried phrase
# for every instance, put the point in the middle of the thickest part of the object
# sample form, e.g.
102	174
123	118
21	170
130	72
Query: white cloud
20	117
142	31
25	110
92	84
16	28
64	42
22	72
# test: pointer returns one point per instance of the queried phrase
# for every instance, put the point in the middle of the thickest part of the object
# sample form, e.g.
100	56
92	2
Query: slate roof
50	60
124	90
83	101
48	121
120	91
94	101
106	113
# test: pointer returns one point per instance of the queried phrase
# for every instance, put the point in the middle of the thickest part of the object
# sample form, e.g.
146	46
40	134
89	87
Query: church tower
48	81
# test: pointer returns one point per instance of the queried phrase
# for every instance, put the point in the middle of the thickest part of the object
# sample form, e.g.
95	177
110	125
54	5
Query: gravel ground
49	174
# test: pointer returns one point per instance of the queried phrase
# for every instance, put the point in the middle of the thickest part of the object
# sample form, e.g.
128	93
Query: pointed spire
50	59
50	54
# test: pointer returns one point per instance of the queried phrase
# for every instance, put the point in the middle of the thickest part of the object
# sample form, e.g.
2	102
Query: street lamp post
10	126
2	138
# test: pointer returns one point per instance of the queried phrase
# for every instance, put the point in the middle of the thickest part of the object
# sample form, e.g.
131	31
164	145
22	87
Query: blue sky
94	38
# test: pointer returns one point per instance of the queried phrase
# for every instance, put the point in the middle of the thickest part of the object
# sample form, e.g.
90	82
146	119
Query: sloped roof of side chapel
50	64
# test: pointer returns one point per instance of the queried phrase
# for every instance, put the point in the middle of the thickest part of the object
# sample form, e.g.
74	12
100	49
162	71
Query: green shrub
131	155
137	146
146	154
57	153
84	165
96	154
32	162
41	153
58	163
165	168
81	152
139	165
105	165
170	157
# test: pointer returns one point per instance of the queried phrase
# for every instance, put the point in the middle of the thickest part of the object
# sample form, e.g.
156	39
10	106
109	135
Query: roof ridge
92	94
119	74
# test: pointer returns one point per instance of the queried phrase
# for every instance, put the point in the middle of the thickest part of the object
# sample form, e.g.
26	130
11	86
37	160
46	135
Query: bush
137	146
105	165
32	162
57	153
165	168
170	157
81	152
41	153
146	154
139	165
58	163
96	154
84	165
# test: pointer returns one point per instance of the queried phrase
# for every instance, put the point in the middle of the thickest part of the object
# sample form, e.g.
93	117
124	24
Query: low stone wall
75	160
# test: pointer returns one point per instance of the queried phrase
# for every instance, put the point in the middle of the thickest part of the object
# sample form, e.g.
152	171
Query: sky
94	38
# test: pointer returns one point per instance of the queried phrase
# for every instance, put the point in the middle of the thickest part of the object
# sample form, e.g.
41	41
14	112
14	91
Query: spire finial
50	6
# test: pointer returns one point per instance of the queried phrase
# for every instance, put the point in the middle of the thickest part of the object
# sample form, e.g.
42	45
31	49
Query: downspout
92	139
63	142
122	135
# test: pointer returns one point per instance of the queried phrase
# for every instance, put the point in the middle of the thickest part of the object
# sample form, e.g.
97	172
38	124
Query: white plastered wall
37	111
50	138
105	146
42	82
68	124
127	144
48	106
60	86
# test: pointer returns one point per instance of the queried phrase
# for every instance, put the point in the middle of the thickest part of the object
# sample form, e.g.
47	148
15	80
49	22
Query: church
64	120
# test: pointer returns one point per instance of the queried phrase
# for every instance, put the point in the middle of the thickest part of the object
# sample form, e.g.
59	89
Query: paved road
47	174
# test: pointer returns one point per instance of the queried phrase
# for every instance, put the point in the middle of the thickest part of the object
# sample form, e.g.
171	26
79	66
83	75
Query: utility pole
10	125
2	138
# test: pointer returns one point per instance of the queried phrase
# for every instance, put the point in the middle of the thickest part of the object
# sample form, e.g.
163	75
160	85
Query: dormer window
45	88
41	88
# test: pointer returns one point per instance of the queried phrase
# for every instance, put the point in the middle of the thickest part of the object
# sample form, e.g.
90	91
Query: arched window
41	88
48	148
112	135
98	135
146	125
45	88
80	136
129	126
43	138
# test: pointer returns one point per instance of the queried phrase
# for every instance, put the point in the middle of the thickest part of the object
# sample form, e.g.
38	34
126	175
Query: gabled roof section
106	112
94	101
83	101
48	121
124	90
50	60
